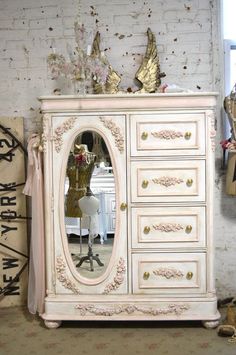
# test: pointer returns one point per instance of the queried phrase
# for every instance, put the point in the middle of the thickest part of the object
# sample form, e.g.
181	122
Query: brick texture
28	29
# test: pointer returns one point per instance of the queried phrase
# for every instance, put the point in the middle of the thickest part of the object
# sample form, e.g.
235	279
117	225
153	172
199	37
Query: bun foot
210	324
52	324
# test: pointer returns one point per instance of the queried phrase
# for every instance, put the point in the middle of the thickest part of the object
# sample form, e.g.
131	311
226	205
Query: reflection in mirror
90	204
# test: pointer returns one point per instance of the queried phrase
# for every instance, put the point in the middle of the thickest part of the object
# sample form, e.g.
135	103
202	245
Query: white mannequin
89	206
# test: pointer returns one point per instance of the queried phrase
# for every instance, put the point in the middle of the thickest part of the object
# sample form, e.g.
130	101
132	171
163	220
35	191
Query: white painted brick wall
184	34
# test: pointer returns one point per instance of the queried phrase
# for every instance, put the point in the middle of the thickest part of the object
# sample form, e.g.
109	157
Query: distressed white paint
145	290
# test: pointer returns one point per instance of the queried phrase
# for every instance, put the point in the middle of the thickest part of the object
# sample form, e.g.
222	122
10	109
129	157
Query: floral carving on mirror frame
63	278
60	130
118	279
115	131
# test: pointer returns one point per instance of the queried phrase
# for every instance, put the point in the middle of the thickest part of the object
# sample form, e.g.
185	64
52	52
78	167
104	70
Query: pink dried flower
81	66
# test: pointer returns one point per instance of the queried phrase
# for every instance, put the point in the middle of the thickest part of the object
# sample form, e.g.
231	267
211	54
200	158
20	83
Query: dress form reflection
89	205
79	171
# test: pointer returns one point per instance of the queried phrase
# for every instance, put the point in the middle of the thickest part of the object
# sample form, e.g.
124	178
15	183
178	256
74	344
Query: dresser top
128	102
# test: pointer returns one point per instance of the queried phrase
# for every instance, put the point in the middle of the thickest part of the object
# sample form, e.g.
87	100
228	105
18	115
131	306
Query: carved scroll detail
118	279
44	136
168	227
167	181
115	131
212	131
129	309
168	273
167	134
59	131
63	278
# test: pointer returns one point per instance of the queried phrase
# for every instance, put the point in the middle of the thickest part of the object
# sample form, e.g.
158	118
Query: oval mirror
90	204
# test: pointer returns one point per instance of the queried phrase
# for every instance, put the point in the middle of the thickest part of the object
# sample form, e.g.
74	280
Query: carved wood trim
167	181
168	273
167	134
115	131
118	279
44	136
168	227
63	278
130	309
212	131
60	130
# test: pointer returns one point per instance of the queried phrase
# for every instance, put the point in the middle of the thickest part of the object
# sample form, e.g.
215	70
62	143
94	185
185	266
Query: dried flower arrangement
82	67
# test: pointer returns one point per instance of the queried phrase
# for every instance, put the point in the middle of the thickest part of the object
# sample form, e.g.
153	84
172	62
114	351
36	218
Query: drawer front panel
168	134
171	227
169	273
168	181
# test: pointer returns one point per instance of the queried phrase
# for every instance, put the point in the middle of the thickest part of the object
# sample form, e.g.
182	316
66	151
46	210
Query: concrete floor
23	333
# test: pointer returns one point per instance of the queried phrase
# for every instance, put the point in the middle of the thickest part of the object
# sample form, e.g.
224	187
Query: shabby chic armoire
161	264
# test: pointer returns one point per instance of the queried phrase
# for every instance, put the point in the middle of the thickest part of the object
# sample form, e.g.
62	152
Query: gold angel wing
149	74
113	79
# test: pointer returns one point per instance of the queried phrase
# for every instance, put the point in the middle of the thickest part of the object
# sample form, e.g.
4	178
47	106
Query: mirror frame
73	133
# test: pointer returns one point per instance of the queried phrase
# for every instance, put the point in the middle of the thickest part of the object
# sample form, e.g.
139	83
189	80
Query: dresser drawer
168	134
169	273
169	227
168	181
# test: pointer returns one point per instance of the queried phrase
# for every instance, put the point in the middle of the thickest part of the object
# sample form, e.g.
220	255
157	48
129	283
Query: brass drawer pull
189	182
146	275
188	229
144	184
123	206
144	136
146	230
187	135
189	275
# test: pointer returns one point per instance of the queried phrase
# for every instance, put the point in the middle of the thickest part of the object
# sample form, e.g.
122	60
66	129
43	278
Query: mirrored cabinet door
89	198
